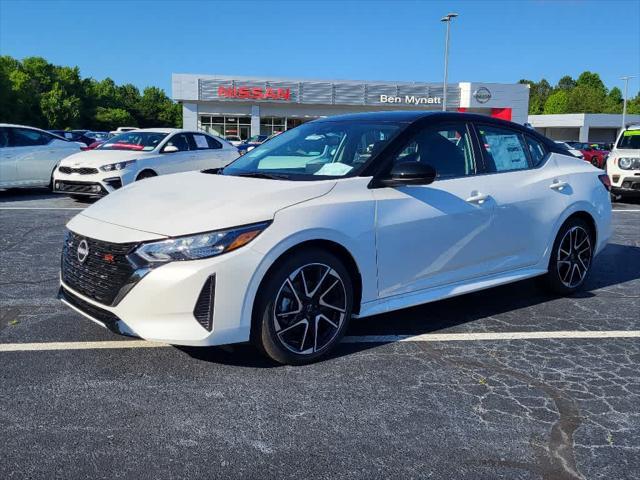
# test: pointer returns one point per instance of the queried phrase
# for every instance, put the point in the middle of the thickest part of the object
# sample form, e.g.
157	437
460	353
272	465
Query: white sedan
29	155
139	154
353	215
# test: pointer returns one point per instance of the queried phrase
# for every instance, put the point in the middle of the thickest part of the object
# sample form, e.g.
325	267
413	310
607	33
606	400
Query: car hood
626	153
194	202
96	158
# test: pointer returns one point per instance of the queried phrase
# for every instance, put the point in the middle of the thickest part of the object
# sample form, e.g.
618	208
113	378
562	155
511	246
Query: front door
437	234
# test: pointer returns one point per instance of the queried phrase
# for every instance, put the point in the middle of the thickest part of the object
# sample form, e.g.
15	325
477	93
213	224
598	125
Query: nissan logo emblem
83	251
482	95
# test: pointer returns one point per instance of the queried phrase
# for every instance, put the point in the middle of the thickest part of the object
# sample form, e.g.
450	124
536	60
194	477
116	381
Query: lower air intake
203	311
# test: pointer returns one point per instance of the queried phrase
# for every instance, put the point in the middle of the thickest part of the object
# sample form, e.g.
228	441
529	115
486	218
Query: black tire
146	174
595	161
280	328
571	257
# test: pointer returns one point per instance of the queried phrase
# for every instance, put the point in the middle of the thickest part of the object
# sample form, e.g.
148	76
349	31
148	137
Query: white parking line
626	210
426	337
42	208
484	336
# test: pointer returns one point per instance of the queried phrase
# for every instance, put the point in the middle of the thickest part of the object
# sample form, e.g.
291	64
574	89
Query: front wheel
571	257
303	307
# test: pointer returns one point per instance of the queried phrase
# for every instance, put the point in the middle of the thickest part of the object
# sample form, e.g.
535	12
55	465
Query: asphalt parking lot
507	383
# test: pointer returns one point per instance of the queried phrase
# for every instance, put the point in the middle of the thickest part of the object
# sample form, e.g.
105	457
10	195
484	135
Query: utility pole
624	101
447	19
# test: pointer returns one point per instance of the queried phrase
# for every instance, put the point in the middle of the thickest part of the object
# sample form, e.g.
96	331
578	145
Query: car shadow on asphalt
616	265
37	194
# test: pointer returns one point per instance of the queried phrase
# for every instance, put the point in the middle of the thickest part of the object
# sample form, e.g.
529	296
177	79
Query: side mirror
410	173
170	149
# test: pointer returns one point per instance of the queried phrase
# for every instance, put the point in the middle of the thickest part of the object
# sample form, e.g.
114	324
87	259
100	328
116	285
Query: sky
143	42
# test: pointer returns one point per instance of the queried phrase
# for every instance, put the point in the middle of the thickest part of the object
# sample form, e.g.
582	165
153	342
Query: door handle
478	198
558	185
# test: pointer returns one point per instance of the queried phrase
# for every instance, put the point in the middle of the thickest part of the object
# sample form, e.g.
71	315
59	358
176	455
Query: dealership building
581	127
245	106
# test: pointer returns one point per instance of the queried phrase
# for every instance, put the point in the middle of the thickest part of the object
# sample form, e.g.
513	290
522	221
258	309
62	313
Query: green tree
613	102
591	80
111	118
633	105
156	109
60	109
539	92
558	102
566	83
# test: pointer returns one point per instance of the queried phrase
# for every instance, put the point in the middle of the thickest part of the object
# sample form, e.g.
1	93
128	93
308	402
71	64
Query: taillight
604	178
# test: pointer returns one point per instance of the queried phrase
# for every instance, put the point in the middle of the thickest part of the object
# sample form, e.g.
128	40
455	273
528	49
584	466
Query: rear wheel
571	257
303	308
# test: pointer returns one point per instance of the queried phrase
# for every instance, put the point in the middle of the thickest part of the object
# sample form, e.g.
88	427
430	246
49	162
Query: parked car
139	154
234	140
251	143
28	156
592	153
345	216
74	136
623	164
570	149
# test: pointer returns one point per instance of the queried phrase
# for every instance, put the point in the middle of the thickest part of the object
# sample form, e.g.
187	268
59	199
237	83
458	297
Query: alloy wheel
574	257
310	308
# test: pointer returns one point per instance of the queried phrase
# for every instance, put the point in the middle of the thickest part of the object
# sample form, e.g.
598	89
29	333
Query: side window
180	141
213	143
25	137
4	137
199	142
447	148
537	151
504	150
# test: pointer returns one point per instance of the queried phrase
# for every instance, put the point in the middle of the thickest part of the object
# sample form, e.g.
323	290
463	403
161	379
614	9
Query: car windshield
630	140
144	141
315	150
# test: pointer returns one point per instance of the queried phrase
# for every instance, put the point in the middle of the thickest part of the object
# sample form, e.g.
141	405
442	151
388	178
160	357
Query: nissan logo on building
83	251
482	95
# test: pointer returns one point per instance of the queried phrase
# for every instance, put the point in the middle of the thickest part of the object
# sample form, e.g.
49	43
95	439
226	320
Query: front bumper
92	185
163	305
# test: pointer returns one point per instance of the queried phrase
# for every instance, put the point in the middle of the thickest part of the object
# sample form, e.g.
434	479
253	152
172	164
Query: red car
593	153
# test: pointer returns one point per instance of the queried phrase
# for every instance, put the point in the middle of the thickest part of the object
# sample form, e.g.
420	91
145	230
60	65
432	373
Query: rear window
630	140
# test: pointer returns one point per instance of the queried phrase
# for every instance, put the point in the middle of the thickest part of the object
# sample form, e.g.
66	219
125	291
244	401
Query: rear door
209	152
528	190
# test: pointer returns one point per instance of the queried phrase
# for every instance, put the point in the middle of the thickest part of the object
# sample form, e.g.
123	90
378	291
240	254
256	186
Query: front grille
79	187
81	171
104	272
632	184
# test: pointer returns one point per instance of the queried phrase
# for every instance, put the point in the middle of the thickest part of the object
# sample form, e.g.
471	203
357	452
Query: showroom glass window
271	125
222	126
504	150
24	137
316	150
446	147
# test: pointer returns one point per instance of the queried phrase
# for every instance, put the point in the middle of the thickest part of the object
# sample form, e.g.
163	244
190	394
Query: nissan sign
482	95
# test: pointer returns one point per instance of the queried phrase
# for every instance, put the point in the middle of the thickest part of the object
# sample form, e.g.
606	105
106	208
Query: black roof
411	116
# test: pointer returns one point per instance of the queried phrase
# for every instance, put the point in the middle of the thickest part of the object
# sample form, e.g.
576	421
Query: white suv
623	164
139	154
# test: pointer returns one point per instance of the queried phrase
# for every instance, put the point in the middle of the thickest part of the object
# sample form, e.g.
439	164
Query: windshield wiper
270	176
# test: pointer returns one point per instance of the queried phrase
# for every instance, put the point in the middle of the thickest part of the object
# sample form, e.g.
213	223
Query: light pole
447	18
624	99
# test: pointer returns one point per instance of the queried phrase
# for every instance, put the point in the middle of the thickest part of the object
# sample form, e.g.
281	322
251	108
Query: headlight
202	245
117	166
627	163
